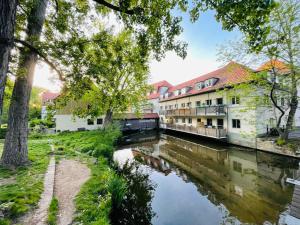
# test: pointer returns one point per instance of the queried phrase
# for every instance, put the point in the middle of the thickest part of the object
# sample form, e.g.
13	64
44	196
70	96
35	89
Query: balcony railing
218	110
203	131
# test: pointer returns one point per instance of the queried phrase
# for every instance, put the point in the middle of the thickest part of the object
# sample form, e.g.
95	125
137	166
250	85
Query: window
190	120
209	122
199	86
210	82
198	120
182	105
170	107
176	106
208	102
179	92
235	100
183	90
236	123
220	123
90	122
166	107
189	104
183	120
100	121
219	101
176	120
198	103
161	107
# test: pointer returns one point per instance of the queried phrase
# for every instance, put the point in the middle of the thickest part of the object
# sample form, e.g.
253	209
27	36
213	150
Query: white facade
71	123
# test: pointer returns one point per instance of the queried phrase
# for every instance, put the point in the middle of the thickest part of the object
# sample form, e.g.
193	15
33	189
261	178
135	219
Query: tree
151	22
7	26
15	148
115	78
279	77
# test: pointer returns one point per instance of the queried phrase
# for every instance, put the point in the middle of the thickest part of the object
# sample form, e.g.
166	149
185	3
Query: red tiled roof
47	95
156	87
232	73
282	67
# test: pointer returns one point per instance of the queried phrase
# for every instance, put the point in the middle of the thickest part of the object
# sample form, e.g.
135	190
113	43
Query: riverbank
20	190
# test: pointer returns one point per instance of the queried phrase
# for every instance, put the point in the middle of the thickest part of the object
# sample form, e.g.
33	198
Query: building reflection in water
246	186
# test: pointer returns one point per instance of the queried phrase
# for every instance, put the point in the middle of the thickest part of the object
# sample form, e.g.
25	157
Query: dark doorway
220	123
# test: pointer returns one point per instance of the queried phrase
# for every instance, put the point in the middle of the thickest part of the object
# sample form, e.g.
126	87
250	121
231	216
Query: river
202	182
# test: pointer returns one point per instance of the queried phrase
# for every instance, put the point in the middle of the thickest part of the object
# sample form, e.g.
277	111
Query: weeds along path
40	214
69	177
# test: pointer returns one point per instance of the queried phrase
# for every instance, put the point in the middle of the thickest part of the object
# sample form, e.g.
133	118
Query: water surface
200	182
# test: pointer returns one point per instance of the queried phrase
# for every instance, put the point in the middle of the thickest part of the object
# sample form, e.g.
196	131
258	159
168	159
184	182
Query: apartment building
207	106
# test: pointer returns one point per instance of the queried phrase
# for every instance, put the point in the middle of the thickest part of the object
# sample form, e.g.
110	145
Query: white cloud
176	70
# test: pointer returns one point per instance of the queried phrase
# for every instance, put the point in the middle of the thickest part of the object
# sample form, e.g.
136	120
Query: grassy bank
104	188
20	190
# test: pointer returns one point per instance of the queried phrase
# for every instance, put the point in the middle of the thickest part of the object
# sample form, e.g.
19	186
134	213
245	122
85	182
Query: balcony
218	110
218	133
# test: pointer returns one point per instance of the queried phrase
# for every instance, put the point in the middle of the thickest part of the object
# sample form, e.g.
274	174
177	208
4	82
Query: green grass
52	212
19	197
95	199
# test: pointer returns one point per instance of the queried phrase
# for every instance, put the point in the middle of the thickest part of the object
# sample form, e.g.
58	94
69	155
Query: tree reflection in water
135	208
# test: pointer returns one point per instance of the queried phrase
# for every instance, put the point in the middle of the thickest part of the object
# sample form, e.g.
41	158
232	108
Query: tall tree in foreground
15	148
280	77
7	26
115	78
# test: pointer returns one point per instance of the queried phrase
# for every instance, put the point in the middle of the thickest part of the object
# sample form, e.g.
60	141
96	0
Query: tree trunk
292	112
108	118
7	25
15	147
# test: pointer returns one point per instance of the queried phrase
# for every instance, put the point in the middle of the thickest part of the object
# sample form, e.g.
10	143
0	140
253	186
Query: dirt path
70	176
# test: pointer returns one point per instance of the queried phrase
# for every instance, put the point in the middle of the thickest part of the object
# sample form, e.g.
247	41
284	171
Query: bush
103	150
280	142
117	186
40	122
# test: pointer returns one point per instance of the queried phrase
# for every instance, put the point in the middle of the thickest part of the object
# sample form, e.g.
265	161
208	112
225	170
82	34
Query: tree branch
35	50
117	8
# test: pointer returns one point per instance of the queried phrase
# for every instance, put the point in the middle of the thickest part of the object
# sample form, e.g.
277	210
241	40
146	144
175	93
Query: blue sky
203	38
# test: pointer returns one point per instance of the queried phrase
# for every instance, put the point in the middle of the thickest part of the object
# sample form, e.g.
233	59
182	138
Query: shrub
103	150
117	186
40	122
280	142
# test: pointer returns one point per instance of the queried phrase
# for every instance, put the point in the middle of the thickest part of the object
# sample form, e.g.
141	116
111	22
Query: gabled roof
47	95
232	73
156	87
280	66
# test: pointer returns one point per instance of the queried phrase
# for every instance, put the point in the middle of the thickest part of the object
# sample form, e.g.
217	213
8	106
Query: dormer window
179	92
183	90
199	85
210	82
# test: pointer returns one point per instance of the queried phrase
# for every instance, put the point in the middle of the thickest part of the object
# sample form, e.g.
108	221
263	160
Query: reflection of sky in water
179	203
123	156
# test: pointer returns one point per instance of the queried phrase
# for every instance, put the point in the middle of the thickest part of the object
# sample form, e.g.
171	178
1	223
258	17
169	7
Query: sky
204	39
